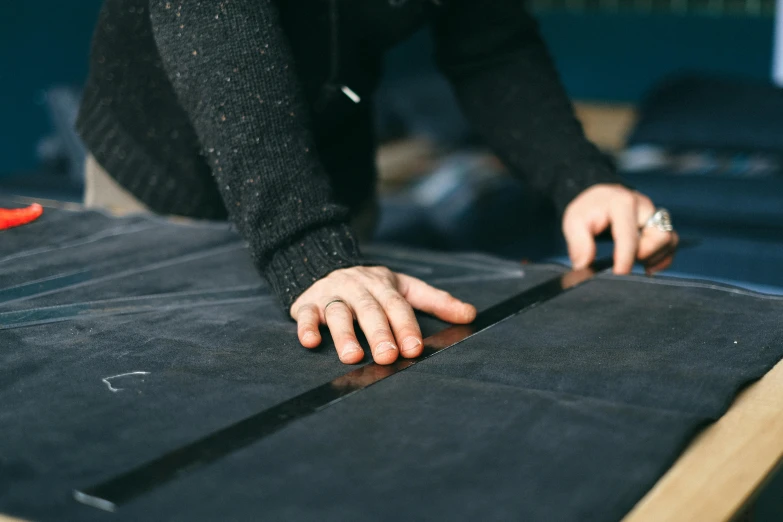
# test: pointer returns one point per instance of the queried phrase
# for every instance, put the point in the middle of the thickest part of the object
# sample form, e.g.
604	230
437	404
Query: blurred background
681	94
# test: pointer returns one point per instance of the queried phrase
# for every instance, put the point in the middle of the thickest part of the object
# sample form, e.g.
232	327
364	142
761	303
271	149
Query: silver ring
332	302
661	220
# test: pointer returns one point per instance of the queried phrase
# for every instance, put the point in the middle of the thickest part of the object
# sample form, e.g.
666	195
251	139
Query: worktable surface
712	480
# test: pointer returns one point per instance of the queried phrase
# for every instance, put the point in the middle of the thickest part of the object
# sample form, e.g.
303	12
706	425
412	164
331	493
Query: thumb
581	244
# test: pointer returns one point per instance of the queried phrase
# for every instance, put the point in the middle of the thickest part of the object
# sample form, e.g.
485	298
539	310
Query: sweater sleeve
510	92
233	72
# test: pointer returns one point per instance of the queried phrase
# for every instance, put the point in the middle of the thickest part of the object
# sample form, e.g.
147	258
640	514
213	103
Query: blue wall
42	42
619	56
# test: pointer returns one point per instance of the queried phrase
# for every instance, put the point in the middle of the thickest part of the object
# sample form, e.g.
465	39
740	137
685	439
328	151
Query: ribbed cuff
572	186
110	145
129	164
293	269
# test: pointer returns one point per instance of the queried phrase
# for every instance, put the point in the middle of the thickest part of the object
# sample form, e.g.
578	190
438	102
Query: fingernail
385	347
350	349
310	336
410	344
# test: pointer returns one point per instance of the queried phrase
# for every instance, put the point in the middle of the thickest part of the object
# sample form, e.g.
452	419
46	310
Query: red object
14	217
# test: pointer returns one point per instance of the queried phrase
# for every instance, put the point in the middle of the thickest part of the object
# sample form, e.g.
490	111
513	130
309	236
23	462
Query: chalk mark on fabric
106	380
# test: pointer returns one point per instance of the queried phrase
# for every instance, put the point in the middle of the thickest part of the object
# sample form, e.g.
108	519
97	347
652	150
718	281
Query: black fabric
570	411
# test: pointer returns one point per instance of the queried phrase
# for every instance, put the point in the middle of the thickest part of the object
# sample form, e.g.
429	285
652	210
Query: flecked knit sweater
234	108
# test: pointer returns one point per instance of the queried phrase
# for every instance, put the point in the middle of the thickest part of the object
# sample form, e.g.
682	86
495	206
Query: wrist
294	268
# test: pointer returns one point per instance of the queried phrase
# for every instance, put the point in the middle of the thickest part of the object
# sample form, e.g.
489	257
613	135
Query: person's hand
626	211
382	302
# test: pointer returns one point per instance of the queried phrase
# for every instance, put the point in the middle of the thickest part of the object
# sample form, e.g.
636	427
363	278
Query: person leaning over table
257	110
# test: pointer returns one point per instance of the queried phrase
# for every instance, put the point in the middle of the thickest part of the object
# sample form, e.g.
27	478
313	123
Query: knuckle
381	334
382	270
354	281
298	311
338	277
368	304
385	274
336	274
354	271
330	299
335	306
369	271
393	299
623	198
344	335
366	277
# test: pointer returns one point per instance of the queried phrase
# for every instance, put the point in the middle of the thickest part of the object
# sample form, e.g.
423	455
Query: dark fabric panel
570	411
425	447
650	342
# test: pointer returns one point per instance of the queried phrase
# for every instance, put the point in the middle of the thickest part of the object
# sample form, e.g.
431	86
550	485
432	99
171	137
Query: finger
581	244
375	326
675	240
652	241
658	256
403	322
441	304
307	320
625	233
644	209
652	252
662	259
660	265
339	319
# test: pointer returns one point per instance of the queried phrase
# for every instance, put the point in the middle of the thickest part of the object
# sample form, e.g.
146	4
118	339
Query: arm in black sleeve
233	72
510	92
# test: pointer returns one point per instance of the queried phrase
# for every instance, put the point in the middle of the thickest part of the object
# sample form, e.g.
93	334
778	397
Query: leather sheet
122	339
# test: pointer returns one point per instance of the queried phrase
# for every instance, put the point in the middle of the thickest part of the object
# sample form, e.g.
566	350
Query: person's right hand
382	302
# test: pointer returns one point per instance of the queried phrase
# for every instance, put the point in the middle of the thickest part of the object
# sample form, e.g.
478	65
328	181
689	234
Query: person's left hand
626	211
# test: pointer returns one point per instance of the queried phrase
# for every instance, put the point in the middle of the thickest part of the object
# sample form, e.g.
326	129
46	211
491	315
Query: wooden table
726	464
